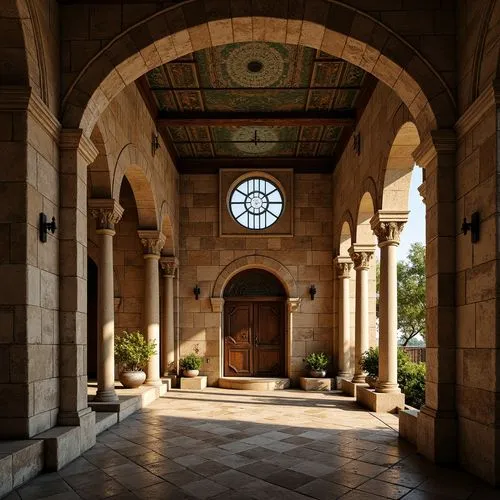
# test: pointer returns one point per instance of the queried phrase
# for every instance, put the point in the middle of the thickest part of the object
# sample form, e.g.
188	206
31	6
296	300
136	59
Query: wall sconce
196	291
44	227
472	226
155	144
312	291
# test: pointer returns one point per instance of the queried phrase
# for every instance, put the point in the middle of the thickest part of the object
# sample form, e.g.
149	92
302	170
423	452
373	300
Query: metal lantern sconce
44	227
155	144
312	291
472	226
196	291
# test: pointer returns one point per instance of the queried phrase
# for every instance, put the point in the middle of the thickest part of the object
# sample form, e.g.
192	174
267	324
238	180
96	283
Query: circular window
256	203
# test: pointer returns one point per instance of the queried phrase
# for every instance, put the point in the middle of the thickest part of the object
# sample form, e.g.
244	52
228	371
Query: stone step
20	461
104	420
254	383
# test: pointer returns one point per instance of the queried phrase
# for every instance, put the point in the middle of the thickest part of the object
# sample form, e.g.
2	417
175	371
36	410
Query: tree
411	294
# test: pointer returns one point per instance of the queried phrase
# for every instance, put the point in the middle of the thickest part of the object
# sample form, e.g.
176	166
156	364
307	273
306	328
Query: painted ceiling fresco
255	77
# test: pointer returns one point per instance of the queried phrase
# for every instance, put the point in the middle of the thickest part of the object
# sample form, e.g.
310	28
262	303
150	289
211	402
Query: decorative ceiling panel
257	78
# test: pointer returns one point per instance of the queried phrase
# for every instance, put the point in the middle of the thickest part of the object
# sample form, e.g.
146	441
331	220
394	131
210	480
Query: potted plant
191	363
369	364
132	352
317	362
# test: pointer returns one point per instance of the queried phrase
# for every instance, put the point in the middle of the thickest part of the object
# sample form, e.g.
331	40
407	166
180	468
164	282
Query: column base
437	435
351	388
359	378
380	402
106	396
154	382
387	388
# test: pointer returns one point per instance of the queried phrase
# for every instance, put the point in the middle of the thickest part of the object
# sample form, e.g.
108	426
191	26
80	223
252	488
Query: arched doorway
254	325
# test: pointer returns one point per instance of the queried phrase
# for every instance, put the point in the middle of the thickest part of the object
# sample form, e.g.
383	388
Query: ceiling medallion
255	64
247	140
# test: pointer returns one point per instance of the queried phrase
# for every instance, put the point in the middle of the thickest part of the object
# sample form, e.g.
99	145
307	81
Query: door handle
256	340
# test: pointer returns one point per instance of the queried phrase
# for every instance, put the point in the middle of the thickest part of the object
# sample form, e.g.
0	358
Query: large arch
399	168
256	261
98	173
131	164
321	24
345	235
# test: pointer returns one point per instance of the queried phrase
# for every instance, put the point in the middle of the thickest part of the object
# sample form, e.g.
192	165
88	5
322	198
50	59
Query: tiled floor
233	445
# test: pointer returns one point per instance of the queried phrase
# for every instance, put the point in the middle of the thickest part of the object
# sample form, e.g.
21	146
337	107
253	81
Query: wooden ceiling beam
212	165
344	119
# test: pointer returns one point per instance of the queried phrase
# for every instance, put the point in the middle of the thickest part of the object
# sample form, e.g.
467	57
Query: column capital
387	225
294	304
361	255
422	190
169	265
75	139
343	266
152	241
106	211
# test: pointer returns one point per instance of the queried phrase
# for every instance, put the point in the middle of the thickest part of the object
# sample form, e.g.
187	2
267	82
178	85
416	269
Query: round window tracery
256	203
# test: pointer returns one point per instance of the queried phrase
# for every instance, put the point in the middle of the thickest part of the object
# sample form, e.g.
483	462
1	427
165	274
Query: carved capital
422	190
107	213
343	269
293	304
361	259
387	225
388	232
169	266
152	241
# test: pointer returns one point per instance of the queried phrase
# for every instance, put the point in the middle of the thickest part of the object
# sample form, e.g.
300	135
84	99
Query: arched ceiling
285	105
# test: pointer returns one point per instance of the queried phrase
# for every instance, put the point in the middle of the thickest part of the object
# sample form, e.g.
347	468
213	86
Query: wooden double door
254	338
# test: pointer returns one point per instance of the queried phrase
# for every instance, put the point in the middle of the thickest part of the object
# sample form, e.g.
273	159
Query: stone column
437	421
343	267
77	152
152	242
361	255
107	213
293	306
168	266
388	226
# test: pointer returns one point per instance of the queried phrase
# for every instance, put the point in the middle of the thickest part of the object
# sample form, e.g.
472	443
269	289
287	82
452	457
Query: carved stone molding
422	190
169	266
442	141
217	304
387	225
343	270
293	304
106	211
361	255
75	140
152	241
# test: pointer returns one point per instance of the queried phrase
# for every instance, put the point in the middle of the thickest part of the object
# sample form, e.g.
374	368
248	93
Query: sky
414	230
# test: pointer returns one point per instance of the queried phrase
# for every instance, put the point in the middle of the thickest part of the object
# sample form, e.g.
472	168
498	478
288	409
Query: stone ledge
194	383
254	383
104	420
20	461
315	384
408	422
380	401
351	388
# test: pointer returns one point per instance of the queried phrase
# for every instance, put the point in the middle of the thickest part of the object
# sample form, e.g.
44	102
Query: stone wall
307	256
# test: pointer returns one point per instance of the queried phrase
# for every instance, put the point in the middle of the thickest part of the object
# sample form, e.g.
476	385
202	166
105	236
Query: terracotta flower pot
191	373
317	373
132	379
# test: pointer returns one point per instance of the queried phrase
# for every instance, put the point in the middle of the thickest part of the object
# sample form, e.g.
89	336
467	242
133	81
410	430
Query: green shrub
192	361
411	376
369	362
133	351
316	361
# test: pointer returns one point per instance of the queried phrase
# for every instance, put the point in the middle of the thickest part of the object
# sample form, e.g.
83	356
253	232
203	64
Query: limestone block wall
476	288
307	256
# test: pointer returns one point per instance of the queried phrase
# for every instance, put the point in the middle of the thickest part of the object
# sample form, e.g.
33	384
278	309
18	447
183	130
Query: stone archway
321	24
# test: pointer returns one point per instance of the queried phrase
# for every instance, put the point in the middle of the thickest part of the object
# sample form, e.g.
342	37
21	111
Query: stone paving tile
323	490
236	445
